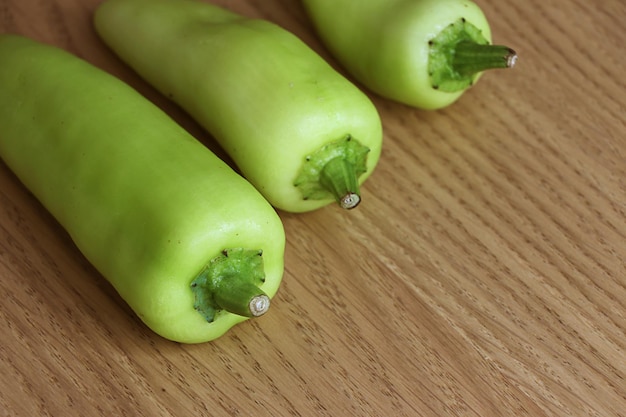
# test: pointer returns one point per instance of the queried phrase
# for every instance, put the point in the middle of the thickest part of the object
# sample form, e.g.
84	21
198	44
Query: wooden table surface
483	274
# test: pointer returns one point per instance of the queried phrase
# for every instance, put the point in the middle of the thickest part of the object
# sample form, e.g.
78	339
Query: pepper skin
164	220
423	53
279	110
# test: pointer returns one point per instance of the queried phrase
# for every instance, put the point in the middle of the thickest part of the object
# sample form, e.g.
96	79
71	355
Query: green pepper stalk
423	53
189	244
279	110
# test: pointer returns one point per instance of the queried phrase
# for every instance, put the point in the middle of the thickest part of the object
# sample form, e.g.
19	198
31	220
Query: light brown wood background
483	274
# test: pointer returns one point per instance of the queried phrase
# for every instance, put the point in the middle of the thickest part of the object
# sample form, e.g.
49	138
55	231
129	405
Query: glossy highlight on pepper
151	207
269	100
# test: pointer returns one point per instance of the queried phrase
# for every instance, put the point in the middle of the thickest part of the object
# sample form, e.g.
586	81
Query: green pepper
423	53
299	131
188	243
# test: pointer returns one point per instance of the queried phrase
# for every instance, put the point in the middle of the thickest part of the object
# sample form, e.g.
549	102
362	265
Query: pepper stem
339	177
241	298
333	171
230	282
459	53
471	57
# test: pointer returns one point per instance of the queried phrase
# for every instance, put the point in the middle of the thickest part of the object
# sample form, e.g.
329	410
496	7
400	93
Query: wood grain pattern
483	275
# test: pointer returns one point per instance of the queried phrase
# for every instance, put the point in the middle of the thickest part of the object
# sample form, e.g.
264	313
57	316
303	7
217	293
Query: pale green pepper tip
426	55
230	282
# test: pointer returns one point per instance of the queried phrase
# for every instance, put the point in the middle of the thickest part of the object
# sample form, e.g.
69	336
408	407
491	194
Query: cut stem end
349	201
259	305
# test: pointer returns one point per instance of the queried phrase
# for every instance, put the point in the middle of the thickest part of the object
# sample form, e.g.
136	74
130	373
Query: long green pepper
298	130
424	53
188	243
